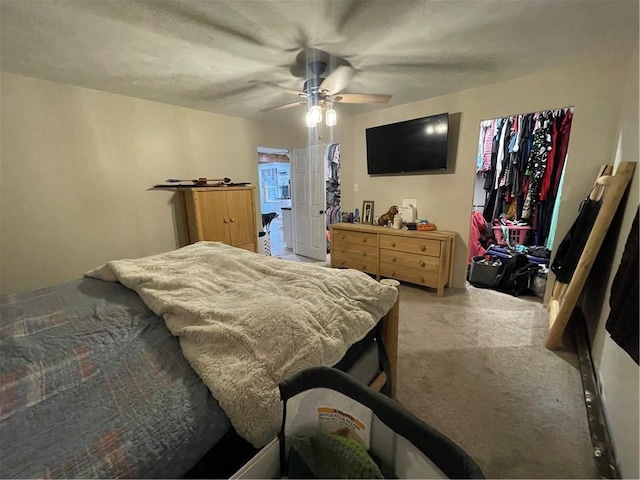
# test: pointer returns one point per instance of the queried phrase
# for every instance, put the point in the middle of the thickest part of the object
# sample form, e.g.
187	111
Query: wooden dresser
424	258
222	214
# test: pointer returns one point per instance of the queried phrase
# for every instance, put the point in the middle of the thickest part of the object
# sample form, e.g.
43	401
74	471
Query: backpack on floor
515	278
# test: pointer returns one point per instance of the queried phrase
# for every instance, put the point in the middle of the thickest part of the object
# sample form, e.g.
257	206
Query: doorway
274	189
316	199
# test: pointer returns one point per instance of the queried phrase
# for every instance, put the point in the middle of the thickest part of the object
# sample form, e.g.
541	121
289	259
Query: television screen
412	146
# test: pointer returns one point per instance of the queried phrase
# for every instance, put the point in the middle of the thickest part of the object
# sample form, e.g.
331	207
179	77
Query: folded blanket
327	455
247	322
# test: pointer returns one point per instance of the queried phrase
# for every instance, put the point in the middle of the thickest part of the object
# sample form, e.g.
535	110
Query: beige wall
594	89
618	374
76	165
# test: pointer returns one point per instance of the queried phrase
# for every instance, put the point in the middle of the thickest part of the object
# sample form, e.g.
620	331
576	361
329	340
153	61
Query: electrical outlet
355	187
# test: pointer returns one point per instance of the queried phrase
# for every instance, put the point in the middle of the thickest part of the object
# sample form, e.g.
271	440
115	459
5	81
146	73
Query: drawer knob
393	274
342	250
364	240
422	264
233	220
421	280
342	237
364	254
342	262
226	221
393	244
423	248
393	259
364	267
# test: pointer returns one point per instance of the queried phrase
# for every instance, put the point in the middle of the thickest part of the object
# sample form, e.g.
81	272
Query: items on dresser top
424	258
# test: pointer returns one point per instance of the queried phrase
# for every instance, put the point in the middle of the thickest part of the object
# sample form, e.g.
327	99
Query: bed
94	383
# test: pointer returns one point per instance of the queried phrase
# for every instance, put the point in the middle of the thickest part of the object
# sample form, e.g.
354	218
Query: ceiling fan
325	78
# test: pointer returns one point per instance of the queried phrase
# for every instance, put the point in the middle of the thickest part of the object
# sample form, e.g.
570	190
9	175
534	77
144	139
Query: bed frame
389	327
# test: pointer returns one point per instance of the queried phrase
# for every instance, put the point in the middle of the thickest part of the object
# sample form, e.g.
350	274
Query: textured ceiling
206	54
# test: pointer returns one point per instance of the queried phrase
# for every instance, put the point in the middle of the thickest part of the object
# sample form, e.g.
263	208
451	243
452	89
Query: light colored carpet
473	365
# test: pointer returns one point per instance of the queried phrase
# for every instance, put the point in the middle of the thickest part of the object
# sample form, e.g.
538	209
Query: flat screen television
412	146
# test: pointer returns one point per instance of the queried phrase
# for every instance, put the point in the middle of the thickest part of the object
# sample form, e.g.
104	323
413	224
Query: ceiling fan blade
202	18
279	87
338	79
419	64
285	106
362	98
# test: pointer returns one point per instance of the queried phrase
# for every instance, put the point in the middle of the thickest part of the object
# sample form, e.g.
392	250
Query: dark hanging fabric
561	155
572	245
560	140
490	175
623	319
548	214
489	204
539	153
540	222
555	123
527	140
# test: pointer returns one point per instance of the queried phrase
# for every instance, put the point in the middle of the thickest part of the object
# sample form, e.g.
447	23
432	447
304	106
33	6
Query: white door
308	202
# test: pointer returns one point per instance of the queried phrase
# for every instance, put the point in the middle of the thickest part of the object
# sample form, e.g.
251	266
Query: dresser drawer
407	274
424	246
341	237
410	260
369	264
352	251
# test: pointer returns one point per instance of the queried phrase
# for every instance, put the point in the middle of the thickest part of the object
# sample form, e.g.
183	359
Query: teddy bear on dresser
388	217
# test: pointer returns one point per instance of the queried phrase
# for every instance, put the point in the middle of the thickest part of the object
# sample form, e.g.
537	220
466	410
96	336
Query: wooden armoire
222	214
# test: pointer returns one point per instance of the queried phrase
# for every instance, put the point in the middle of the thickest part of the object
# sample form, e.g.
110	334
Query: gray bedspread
93	385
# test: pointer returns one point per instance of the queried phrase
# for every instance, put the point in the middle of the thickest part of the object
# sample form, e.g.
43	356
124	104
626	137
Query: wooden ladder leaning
609	188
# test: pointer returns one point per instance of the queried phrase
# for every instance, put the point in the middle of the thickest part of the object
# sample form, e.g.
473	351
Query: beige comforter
246	322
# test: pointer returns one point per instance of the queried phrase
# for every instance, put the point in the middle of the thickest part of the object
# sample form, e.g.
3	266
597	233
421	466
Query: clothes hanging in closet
522	158
332	158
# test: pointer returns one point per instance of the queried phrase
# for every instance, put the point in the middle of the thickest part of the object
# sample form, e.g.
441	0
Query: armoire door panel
241	209
214	216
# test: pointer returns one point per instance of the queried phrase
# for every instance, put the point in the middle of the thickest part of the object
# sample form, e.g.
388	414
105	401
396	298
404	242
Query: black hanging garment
623	319
572	245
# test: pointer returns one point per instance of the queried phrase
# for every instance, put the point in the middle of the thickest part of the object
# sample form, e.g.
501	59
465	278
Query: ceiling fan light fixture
314	116
331	117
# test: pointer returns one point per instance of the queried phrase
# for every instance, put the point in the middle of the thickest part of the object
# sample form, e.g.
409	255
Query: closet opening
520	166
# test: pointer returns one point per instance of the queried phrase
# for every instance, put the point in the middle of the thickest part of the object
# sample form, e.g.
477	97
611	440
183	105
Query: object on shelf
425	226
408	213
200	182
387	218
